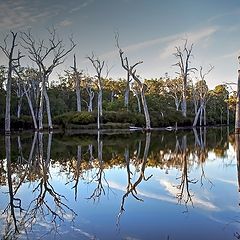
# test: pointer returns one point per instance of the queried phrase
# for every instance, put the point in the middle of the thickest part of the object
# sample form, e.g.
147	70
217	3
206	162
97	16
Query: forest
31	99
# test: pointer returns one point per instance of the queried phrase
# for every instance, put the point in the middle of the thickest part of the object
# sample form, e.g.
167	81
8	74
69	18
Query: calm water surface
159	185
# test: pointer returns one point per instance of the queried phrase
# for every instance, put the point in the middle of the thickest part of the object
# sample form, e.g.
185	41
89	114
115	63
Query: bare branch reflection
132	187
47	204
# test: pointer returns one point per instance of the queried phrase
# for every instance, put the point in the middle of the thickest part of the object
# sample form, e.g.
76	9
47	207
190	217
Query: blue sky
149	30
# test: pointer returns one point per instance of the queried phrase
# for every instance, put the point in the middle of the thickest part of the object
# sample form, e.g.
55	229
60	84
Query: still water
159	185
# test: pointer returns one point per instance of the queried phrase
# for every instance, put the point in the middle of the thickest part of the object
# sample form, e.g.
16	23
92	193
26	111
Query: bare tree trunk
50	126
8	101
99	108
90	105
237	121
78	94
127	91
19	107
184	100
100	102
11	66
138	102
145	108
77	84
196	117
40	111
177	103
30	107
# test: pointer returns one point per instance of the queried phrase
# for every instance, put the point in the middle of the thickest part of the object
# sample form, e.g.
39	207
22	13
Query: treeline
28	99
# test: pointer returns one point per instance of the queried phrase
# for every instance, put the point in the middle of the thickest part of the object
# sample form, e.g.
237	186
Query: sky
149	31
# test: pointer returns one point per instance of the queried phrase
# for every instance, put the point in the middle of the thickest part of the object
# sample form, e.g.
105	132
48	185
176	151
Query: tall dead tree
202	89
98	66
47	55
77	79
142	87
12	64
23	77
183	56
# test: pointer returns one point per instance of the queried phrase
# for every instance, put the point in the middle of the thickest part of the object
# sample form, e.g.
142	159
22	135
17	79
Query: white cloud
17	14
203	203
86	234
171	41
81	6
192	37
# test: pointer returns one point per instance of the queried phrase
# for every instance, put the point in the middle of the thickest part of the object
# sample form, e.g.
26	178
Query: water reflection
32	167
132	187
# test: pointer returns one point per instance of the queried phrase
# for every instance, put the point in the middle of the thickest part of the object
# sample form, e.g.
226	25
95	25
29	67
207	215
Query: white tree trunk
197	116
19	107
78	94
99	108
30	107
100	102
40	111
184	99
145	109
50	126
139	103
90	105
177	103
127	91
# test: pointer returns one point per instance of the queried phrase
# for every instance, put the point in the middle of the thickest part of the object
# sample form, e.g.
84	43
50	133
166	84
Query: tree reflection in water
87	161
132	187
48	205
184	193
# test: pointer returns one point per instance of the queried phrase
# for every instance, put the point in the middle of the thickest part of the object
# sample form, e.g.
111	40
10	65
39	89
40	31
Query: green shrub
83	118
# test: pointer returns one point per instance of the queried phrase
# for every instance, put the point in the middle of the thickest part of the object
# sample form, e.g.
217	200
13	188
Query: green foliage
80	118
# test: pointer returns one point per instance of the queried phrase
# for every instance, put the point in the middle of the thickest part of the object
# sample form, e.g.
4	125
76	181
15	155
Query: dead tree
12	64
47	56
98	66
23	77
183	57
143	87
237	121
202	90
77	78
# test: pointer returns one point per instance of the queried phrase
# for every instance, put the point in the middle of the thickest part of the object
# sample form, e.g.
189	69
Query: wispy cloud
234	54
224	15
81	6
17	14
192	37
85	234
169	41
